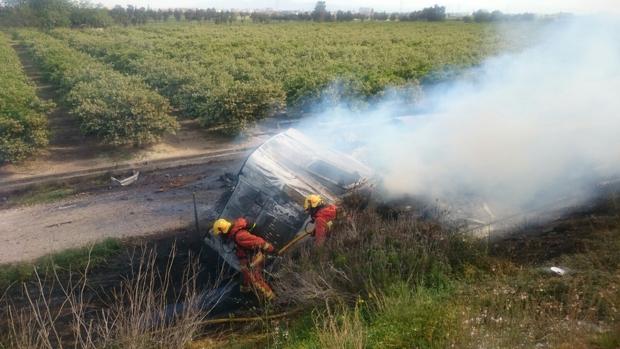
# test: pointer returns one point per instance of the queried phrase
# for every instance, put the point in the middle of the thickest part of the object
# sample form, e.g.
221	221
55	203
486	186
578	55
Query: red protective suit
322	217
248	247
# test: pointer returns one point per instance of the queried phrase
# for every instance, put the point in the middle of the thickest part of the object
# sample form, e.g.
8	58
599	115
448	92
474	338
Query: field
130	85
231	75
23	128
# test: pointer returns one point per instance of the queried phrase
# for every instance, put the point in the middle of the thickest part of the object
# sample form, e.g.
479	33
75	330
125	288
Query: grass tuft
71	259
42	195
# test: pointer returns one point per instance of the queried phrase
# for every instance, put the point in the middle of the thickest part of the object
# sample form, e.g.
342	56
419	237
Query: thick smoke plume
519	132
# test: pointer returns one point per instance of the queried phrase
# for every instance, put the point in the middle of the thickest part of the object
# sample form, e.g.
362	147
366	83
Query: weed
42	195
416	285
71	259
340	328
138	314
405	317
608	340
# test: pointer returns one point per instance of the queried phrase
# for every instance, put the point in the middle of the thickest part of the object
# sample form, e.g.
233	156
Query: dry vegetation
380	282
62	311
407	283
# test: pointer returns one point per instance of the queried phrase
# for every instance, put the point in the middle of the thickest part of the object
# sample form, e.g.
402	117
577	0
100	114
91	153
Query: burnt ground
173	250
532	245
160	201
569	234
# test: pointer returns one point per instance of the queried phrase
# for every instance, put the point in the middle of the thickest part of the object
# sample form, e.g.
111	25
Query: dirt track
158	202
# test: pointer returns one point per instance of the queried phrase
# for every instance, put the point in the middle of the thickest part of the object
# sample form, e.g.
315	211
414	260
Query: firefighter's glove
258	260
268	248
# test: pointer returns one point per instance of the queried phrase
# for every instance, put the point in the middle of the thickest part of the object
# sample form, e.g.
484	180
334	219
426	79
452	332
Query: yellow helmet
221	226
313	201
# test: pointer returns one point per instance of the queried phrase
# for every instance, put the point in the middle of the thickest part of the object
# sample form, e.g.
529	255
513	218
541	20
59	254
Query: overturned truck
274	180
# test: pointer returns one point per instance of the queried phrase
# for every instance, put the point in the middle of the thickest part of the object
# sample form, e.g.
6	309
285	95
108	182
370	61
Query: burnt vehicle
274	180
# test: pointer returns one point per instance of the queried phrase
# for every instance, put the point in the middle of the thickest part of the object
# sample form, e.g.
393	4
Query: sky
453	6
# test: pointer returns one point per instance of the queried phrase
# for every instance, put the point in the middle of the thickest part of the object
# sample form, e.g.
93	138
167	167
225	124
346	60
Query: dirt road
158	202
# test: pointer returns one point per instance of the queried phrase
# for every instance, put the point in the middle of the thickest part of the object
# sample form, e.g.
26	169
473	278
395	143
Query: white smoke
524	129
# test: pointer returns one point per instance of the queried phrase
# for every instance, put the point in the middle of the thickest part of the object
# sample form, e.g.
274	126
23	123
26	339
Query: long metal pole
195	213
292	242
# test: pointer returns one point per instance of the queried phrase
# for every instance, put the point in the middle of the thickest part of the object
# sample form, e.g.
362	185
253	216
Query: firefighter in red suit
250	250
322	215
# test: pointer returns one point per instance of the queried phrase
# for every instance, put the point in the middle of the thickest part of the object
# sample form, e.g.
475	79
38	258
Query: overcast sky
511	6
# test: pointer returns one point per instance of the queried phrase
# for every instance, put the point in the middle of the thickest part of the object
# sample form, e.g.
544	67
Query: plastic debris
558	271
127	181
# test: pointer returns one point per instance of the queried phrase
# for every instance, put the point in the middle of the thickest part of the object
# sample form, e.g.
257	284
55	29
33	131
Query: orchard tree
320	11
52	13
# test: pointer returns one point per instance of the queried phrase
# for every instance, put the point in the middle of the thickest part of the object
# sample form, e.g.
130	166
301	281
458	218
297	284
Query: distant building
457	15
366	11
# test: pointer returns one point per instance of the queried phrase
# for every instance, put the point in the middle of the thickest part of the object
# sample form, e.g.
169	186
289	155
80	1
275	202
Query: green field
230	75
108	105
128	85
23	129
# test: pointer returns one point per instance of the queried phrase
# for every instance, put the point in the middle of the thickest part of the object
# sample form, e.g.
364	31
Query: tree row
115	108
23	124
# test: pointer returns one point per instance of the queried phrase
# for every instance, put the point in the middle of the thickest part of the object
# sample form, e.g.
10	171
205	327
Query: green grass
505	298
406	317
22	114
70	259
42	195
608	340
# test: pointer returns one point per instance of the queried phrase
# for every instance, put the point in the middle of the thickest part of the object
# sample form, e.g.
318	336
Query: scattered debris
176	182
58	224
228	178
487	209
558	271
127	181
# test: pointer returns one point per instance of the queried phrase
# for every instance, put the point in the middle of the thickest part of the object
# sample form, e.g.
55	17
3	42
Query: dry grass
341	328
366	253
415	284
378	283
62	314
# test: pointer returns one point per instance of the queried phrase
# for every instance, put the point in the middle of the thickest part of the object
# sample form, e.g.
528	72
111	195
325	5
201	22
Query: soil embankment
159	201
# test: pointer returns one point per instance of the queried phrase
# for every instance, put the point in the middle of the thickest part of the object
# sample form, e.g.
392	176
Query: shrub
137	312
368	253
244	102
23	126
418	318
229	76
113	107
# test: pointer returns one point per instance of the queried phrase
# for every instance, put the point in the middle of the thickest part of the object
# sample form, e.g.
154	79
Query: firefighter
250	250
322	216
